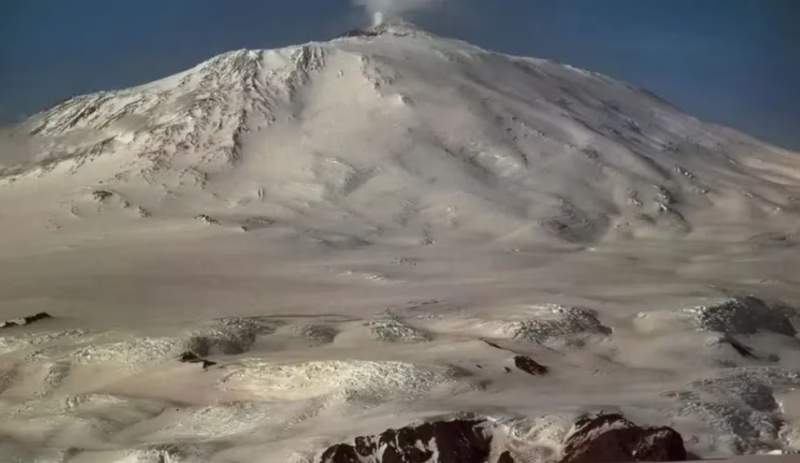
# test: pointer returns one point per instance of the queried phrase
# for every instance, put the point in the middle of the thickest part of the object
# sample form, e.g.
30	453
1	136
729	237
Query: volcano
363	233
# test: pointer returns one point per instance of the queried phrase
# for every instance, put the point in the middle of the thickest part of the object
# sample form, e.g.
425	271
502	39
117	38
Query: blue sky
736	62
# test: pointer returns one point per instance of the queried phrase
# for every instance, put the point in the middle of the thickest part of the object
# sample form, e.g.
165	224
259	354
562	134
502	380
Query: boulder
610	438
529	365
191	357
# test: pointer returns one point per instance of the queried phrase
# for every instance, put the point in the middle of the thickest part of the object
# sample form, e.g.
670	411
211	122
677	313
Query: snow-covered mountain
394	133
457	255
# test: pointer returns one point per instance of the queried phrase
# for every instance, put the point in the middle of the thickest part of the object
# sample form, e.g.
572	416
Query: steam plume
381	10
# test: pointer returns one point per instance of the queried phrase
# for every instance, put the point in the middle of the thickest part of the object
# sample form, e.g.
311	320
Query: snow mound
744	315
18	342
64	421
395	329
52	358
338	380
131	353
211	422
557	323
537	437
158	453
732	316
739	407
229	336
17	451
84	427
318	334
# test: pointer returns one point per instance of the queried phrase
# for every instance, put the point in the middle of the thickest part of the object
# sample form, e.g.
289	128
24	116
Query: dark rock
523	362
25	320
37	317
496	346
188	357
361	33
341	453
191	357
505	457
528	365
610	438
741	349
207	219
102	195
458	441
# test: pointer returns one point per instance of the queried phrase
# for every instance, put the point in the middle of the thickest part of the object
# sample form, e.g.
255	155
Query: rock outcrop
458	441
604	438
613	439
25	320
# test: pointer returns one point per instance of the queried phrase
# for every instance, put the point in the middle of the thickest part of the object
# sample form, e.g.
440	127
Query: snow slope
340	224
409	136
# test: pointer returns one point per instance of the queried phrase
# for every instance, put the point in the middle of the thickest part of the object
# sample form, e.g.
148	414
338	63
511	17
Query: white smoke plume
381	10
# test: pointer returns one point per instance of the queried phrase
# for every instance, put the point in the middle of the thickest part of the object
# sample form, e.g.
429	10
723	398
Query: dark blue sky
736	62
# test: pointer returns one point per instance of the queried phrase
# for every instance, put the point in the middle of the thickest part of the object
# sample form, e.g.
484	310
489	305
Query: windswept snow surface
342	226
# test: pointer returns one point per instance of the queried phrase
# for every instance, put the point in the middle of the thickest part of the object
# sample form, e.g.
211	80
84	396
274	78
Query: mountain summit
396	27
393	133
